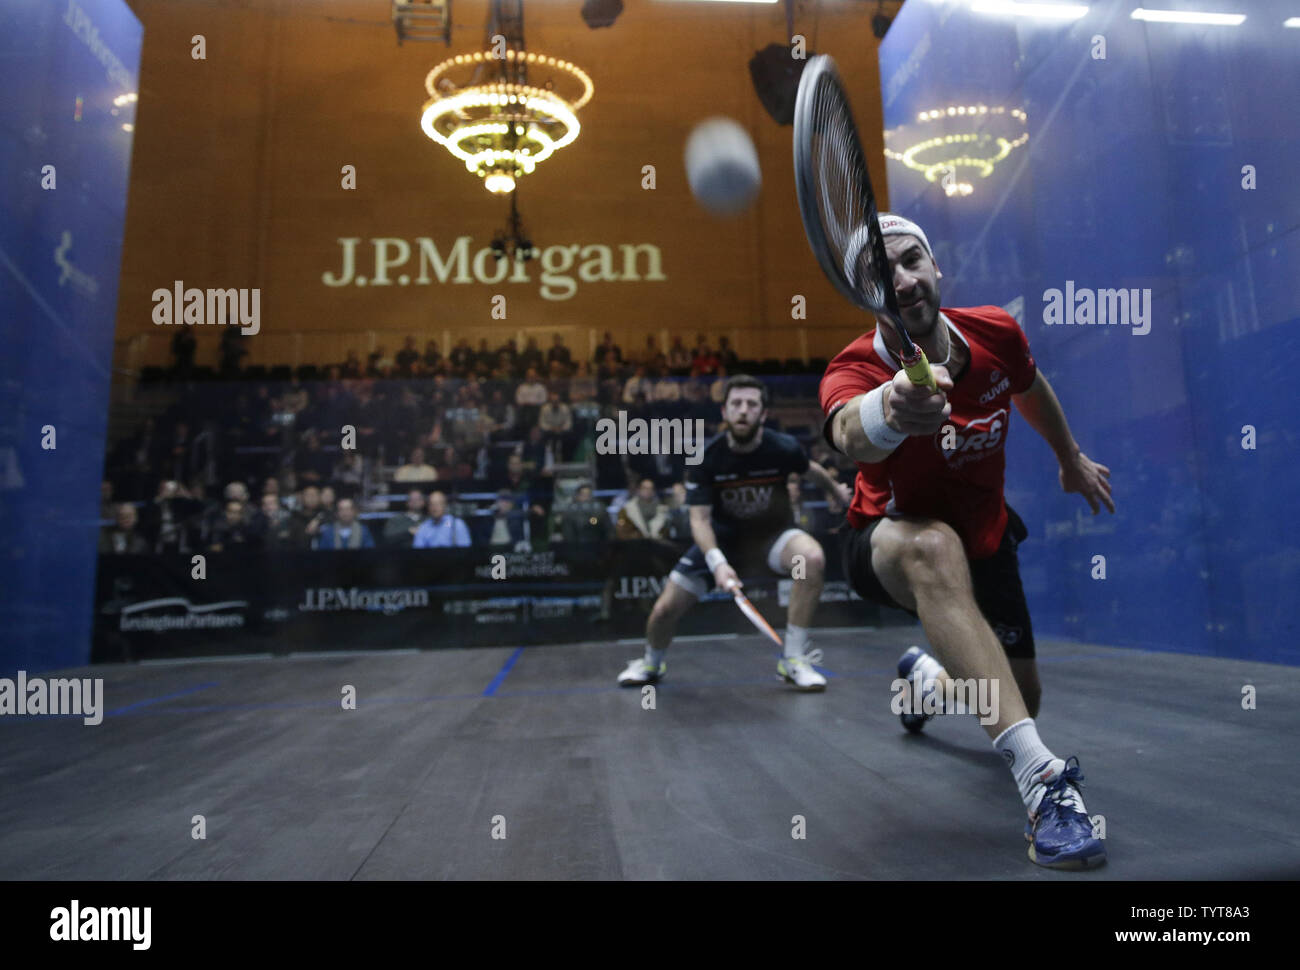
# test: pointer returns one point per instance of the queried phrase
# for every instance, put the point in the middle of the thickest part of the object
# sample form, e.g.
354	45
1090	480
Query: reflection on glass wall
1146	234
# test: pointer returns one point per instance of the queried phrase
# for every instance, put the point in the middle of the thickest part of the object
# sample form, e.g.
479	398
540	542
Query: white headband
892	225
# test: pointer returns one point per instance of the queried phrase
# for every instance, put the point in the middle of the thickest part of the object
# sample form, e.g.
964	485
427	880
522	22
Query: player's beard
924	327
746	439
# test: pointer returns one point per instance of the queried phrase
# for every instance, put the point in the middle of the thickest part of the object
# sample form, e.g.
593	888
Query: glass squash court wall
1158	159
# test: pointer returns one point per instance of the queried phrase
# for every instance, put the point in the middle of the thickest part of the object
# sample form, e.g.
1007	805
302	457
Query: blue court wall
62	65
1166	167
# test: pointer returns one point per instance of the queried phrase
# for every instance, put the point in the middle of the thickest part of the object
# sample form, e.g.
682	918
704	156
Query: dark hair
744	380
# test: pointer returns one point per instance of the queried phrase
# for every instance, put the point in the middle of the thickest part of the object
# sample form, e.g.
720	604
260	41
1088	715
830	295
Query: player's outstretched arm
872	425
1042	410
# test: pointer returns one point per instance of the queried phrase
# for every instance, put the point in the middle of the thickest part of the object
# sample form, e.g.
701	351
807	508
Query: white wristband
871	412
713	559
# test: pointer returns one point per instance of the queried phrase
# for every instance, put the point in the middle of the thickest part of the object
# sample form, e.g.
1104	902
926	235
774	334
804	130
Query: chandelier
486	110
941	156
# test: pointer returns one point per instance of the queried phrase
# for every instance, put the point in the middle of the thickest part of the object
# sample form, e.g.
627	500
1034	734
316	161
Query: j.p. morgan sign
558	269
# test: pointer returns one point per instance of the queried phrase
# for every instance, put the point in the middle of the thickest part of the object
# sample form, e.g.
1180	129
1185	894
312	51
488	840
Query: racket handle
918	369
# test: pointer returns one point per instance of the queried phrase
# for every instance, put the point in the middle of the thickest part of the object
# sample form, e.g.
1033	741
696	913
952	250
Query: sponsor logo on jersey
746	501
995	390
977	440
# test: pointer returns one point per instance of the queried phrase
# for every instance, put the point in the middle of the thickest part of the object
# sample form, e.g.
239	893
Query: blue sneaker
906	666
1059	831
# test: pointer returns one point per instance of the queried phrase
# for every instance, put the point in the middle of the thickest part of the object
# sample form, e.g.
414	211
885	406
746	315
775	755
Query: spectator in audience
638	384
609	378
651	349
705	362
233	529
501	415
537	454
415	469
556	422
678	526
232	351
582	385
485	358
121	537
310	462
644	517
679	358
726	356
345	532
107	507
452	467
311	514
377	361
351	474
718	389
407	358
461	357
351	368
667	391
400	529
607	346
432	356
585	521
277	526
508	526
441	530
559	352
183	347
327	503
532	357
166	520
504	370
530	395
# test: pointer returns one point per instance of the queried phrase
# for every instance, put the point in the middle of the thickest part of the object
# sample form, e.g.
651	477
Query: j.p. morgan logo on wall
178	613
558	269
386	601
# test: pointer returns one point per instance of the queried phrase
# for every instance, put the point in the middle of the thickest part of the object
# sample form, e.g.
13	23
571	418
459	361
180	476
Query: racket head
836	200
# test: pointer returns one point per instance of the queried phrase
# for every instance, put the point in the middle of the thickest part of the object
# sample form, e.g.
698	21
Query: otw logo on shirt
977	440
747	501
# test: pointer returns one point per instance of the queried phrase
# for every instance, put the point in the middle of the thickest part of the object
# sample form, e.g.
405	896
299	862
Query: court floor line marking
158	700
500	677
502	673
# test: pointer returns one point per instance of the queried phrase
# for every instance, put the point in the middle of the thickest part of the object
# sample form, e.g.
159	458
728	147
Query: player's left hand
1089	479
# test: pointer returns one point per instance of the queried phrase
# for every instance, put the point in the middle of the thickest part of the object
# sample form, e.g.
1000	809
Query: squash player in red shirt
931	532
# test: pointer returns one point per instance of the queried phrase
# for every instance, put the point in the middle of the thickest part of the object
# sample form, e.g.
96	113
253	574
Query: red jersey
961	485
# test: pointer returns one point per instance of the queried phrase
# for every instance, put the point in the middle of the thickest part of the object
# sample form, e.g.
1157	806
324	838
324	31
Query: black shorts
996	580
749	557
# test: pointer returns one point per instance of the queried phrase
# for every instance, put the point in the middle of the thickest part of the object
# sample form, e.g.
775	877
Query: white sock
654	657
1032	764
796	640
927	670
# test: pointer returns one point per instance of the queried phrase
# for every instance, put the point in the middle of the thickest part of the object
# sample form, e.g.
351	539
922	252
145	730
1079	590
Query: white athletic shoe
639	672
799	671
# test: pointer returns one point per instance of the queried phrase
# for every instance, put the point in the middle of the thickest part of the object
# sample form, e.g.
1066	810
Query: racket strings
845	204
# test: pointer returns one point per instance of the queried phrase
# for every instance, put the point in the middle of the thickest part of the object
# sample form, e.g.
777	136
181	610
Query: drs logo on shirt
977	440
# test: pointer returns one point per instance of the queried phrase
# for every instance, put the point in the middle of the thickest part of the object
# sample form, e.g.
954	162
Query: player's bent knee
934	551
